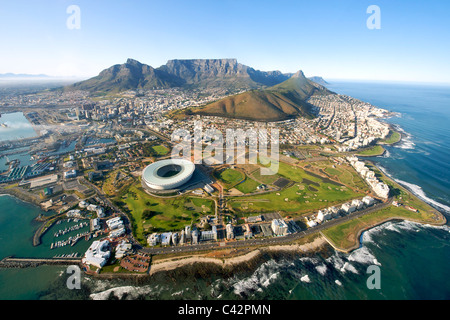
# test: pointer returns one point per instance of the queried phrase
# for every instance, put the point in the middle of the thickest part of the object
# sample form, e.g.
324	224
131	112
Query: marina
68	228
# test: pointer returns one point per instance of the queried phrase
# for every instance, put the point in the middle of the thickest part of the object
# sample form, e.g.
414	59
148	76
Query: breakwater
12	262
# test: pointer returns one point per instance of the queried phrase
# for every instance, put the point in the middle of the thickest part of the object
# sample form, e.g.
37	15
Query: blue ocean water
15	126
420	162
413	258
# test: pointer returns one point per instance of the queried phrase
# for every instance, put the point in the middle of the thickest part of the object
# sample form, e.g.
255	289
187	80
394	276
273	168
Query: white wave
340	264
305	278
178	293
363	256
336	261
133	292
261	278
312	260
348	267
392	227
322	269
408	225
386	154
406	142
270	279
367	237
444	227
417	191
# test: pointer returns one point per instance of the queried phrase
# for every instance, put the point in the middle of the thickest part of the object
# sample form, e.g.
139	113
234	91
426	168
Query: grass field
248	186
230	177
309	193
160	150
345	235
394	137
168	214
371	152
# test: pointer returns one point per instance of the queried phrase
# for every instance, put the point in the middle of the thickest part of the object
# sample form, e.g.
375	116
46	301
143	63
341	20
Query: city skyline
327	39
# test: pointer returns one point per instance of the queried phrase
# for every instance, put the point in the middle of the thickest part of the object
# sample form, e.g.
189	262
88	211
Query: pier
12	262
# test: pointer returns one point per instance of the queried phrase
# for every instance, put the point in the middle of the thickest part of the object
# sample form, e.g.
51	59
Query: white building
70	174
95	224
382	190
311	223
97	254
92	207
183	237
117	232
122	249
208	235
175	238
187	231
166	238
194	236
334	211
358	204
153	239
75	213
323	215
83	204
279	227
114	223
100	212
230	231
368	201
348	207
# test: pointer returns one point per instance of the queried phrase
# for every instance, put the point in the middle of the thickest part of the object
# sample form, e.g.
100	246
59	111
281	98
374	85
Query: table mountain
194	73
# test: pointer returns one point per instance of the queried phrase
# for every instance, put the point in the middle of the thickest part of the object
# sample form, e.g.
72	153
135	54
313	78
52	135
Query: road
268	241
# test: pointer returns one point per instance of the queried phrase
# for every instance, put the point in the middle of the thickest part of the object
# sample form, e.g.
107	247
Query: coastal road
267	241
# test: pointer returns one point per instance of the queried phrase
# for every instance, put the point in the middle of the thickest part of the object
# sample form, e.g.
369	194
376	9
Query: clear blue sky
327	38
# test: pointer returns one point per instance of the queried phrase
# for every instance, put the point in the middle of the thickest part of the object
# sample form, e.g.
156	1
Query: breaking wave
406	142
322	269
266	274
305	278
363	256
417	191
131	292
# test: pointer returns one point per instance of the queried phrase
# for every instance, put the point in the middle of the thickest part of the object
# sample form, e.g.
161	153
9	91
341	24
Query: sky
327	38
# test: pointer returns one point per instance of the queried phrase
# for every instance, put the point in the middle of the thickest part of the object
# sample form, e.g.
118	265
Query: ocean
15	126
412	259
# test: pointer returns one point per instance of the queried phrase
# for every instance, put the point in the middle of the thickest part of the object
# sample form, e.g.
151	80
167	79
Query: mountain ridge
189	73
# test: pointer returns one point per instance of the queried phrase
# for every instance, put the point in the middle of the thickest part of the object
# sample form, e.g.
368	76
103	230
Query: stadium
167	174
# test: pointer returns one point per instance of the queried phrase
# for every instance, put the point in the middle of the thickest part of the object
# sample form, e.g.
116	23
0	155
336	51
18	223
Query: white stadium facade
167	174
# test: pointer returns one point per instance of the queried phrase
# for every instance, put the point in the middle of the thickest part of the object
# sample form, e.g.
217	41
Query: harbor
68	227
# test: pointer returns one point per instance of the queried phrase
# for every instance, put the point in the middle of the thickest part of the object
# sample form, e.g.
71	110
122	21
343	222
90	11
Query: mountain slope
128	76
194	73
280	102
319	80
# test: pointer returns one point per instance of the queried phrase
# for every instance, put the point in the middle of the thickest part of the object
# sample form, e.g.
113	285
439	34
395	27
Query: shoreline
360	232
440	216
227	263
